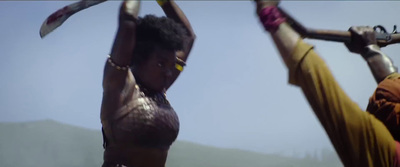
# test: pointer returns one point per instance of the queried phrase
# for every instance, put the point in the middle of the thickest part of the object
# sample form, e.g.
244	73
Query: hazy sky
233	92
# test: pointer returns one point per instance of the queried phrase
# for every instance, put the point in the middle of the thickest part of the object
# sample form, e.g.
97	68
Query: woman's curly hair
153	31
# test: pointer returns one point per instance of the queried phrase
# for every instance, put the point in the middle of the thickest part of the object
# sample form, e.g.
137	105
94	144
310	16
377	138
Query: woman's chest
148	122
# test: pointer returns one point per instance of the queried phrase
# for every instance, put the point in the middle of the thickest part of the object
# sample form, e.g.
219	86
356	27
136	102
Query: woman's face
155	73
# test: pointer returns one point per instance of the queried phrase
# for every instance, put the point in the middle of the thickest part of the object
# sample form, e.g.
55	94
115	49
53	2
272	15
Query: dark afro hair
153	31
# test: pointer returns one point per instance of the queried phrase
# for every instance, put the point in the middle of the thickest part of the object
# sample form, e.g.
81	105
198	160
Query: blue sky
233	93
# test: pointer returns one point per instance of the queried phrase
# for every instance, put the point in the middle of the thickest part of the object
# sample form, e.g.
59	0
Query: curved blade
60	16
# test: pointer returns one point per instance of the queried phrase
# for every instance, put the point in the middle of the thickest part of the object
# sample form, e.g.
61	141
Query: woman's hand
363	42
129	10
361	36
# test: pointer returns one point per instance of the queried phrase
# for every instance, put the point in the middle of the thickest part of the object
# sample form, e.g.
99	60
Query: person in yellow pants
360	138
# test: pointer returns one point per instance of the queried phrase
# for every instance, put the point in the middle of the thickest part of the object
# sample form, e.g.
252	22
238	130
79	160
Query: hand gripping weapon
382	36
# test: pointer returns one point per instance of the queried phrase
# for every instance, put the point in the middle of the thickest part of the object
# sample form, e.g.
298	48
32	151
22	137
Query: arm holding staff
358	137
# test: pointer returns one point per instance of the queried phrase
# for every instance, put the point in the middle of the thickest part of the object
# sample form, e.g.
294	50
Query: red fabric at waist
396	162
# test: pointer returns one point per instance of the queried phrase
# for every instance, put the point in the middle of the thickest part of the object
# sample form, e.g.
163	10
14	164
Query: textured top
147	121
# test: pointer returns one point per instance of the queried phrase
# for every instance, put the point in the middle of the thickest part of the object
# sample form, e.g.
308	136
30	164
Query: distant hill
52	144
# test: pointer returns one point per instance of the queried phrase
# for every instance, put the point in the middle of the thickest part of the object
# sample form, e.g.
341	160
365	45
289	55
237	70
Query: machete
61	15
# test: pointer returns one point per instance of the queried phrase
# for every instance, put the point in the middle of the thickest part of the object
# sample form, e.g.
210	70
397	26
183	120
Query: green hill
52	144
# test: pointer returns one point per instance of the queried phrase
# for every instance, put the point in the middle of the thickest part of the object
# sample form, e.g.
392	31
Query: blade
60	16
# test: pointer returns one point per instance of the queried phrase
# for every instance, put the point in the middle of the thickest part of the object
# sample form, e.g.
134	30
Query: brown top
147	125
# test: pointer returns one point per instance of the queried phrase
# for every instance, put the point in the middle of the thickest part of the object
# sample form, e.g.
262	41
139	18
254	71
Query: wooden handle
344	36
330	35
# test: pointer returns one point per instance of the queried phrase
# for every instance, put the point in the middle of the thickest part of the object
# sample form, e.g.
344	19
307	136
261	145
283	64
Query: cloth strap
271	18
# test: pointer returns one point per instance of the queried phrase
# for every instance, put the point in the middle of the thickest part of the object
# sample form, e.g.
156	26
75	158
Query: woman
148	54
360	139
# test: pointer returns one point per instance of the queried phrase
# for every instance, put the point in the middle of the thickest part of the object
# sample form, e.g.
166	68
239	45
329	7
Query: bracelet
271	18
118	67
161	2
379	64
371	50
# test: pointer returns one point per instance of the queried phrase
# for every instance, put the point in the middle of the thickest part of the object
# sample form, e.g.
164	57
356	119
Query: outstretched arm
358	137
284	36
172	10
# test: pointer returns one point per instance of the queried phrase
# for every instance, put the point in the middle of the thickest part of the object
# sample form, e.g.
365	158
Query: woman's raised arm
172	10
118	80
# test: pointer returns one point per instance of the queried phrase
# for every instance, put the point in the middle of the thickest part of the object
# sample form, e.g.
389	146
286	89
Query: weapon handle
345	36
331	35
